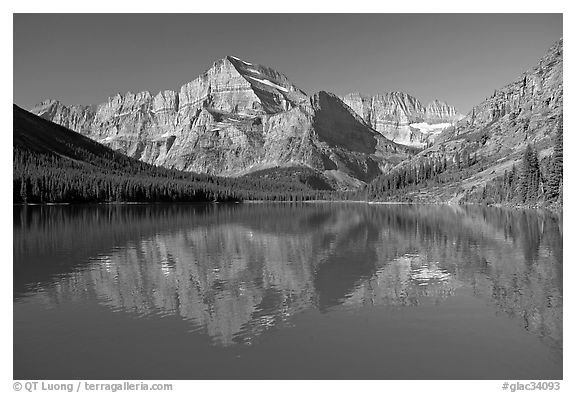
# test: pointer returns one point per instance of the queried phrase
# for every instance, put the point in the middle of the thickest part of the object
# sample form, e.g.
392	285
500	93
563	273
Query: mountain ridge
235	118
402	118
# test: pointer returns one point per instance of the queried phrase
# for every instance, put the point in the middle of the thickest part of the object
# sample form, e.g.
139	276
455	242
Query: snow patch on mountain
271	84
245	62
430	128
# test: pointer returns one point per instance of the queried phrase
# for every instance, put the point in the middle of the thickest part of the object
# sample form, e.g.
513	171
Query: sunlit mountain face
241	275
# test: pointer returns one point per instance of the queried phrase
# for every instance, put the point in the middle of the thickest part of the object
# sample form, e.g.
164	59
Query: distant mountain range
402	118
236	118
240	118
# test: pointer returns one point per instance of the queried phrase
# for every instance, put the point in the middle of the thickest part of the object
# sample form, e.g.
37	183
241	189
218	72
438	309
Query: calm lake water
303	291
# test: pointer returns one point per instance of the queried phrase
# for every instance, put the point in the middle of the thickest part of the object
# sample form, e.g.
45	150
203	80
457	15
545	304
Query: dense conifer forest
420	174
534	181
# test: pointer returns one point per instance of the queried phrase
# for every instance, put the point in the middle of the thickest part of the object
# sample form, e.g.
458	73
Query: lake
287	291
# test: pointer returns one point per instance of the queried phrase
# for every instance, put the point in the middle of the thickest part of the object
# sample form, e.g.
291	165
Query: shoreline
555	207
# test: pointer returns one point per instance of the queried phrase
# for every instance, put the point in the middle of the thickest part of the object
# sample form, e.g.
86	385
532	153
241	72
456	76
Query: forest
534	181
46	178
421	174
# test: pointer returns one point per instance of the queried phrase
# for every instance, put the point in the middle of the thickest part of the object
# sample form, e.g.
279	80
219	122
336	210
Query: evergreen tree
530	185
554	182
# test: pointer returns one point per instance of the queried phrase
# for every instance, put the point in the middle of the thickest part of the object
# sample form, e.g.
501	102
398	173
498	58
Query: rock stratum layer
402	118
236	118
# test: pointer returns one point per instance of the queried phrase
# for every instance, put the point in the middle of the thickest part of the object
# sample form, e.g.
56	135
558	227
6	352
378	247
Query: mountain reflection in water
234	272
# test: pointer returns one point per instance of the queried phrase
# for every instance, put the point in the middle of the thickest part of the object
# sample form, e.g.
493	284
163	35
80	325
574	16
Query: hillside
53	164
489	143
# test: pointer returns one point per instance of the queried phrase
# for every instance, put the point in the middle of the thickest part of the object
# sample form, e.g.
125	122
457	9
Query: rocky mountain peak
235	118
438	111
399	95
49	102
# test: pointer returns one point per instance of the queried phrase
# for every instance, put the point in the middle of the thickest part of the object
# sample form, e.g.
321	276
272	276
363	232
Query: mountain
236	118
240	119
490	141
524	110
37	137
401	118
54	164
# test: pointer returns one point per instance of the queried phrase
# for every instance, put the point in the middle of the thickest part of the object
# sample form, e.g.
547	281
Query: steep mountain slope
39	136
494	134
523	110
234	119
402	118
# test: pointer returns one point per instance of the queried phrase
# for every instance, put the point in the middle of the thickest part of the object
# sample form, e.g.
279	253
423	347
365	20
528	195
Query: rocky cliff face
524	110
402	118
235	118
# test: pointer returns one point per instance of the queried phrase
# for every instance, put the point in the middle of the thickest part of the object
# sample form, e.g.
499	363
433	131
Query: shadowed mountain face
236	118
239	274
40	136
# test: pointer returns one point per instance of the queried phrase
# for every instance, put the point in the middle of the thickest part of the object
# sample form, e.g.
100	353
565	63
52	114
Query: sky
457	58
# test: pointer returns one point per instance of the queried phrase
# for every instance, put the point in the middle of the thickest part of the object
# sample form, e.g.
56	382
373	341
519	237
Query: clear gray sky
459	58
